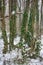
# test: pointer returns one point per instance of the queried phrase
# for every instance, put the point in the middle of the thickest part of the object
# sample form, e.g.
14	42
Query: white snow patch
13	12
1	55
16	40
7	56
20	54
14	53
1	62
34	60
0	34
1	45
41	39
41	52
27	49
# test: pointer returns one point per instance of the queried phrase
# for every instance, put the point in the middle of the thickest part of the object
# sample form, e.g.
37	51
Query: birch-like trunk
4	27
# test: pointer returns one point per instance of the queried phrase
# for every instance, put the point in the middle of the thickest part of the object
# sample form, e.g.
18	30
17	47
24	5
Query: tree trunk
4	28
12	8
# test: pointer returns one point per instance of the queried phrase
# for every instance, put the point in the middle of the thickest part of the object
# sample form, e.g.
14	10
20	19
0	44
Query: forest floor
10	58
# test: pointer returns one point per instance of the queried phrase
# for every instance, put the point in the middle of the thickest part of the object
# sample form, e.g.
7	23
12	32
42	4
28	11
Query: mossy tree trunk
24	22
12	23
35	13
4	27
32	40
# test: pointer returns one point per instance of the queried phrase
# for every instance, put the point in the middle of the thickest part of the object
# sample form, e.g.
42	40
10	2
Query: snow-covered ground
8	58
